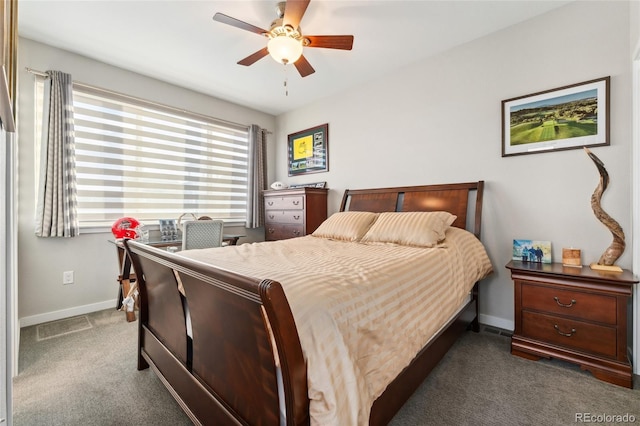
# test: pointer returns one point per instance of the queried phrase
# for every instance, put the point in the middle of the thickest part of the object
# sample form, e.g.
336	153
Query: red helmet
125	227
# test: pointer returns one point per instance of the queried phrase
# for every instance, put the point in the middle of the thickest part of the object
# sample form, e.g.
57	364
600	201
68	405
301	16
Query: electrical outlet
67	277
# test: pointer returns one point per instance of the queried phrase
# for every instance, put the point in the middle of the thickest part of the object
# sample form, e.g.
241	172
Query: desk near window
126	277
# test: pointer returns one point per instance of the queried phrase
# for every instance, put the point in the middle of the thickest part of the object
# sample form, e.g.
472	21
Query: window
136	158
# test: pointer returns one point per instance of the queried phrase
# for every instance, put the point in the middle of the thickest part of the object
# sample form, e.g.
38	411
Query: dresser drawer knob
296	233
296	202
271	216
573	331
573	302
271	230
270	203
296	217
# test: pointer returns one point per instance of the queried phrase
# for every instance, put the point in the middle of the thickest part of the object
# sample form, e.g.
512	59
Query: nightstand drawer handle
573	302
573	331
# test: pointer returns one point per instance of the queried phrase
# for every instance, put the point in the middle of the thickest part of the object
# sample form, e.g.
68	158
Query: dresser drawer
576	304
593	338
283	203
293	212
284	216
276	231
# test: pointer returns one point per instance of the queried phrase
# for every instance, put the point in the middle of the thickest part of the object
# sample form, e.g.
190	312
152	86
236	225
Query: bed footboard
224	371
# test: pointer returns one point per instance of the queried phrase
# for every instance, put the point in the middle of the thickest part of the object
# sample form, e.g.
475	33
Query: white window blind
142	160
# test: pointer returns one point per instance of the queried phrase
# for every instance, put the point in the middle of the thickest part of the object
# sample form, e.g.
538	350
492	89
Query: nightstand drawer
283	203
576	304
284	216
281	232
593	338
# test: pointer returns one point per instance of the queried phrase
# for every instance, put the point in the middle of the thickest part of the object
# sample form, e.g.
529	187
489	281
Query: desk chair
197	234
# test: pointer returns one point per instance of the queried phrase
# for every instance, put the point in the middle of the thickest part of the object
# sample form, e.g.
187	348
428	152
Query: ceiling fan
286	40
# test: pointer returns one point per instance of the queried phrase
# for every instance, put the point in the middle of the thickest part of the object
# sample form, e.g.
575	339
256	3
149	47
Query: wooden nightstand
290	213
574	314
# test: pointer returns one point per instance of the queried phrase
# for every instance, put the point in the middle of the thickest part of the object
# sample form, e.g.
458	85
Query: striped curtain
57	200
257	178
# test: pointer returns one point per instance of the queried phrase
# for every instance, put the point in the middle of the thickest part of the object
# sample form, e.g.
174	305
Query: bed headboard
461	199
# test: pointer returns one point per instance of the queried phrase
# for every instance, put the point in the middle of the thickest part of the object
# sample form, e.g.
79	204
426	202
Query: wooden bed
227	374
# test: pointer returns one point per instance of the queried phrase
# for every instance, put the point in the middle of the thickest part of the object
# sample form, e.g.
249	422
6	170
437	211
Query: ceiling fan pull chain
286	88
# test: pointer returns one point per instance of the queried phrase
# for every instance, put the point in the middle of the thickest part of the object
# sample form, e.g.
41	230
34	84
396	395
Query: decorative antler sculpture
614	251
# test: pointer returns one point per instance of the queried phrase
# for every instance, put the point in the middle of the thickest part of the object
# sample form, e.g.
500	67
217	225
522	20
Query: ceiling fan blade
344	42
221	17
293	12
303	66
254	57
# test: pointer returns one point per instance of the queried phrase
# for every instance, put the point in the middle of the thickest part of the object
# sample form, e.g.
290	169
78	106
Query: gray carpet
88	377
480	383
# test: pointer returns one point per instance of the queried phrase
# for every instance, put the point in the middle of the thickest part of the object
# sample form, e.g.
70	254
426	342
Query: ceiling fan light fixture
286	41
284	49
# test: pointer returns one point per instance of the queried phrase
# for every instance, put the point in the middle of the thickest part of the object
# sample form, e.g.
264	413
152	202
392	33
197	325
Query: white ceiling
178	42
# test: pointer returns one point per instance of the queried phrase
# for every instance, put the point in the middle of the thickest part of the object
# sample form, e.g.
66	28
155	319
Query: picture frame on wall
532	251
568	117
308	151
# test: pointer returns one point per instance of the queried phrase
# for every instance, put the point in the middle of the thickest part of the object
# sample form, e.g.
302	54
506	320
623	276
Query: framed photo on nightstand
532	251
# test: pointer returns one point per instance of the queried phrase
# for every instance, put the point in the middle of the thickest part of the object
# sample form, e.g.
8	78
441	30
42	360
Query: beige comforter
362	311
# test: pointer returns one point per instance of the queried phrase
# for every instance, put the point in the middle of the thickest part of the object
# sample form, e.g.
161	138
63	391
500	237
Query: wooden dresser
293	213
577	315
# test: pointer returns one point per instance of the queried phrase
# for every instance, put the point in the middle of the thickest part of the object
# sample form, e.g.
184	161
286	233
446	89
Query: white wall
42	297
439	121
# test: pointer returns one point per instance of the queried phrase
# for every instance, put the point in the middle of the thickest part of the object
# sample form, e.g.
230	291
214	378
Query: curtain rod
133	98
40	73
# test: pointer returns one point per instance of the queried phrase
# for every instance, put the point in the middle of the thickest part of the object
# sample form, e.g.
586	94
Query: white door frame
5	347
9	335
635	199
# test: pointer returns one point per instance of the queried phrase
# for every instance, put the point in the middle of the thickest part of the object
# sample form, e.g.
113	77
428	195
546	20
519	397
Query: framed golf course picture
568	117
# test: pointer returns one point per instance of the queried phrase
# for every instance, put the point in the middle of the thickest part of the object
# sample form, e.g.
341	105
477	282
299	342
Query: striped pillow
345	226
421	229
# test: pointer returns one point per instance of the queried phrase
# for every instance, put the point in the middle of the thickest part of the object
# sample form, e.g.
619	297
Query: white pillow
421	229
345	226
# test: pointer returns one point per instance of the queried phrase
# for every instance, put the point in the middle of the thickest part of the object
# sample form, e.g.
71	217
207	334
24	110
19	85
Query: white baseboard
496	322
66	313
